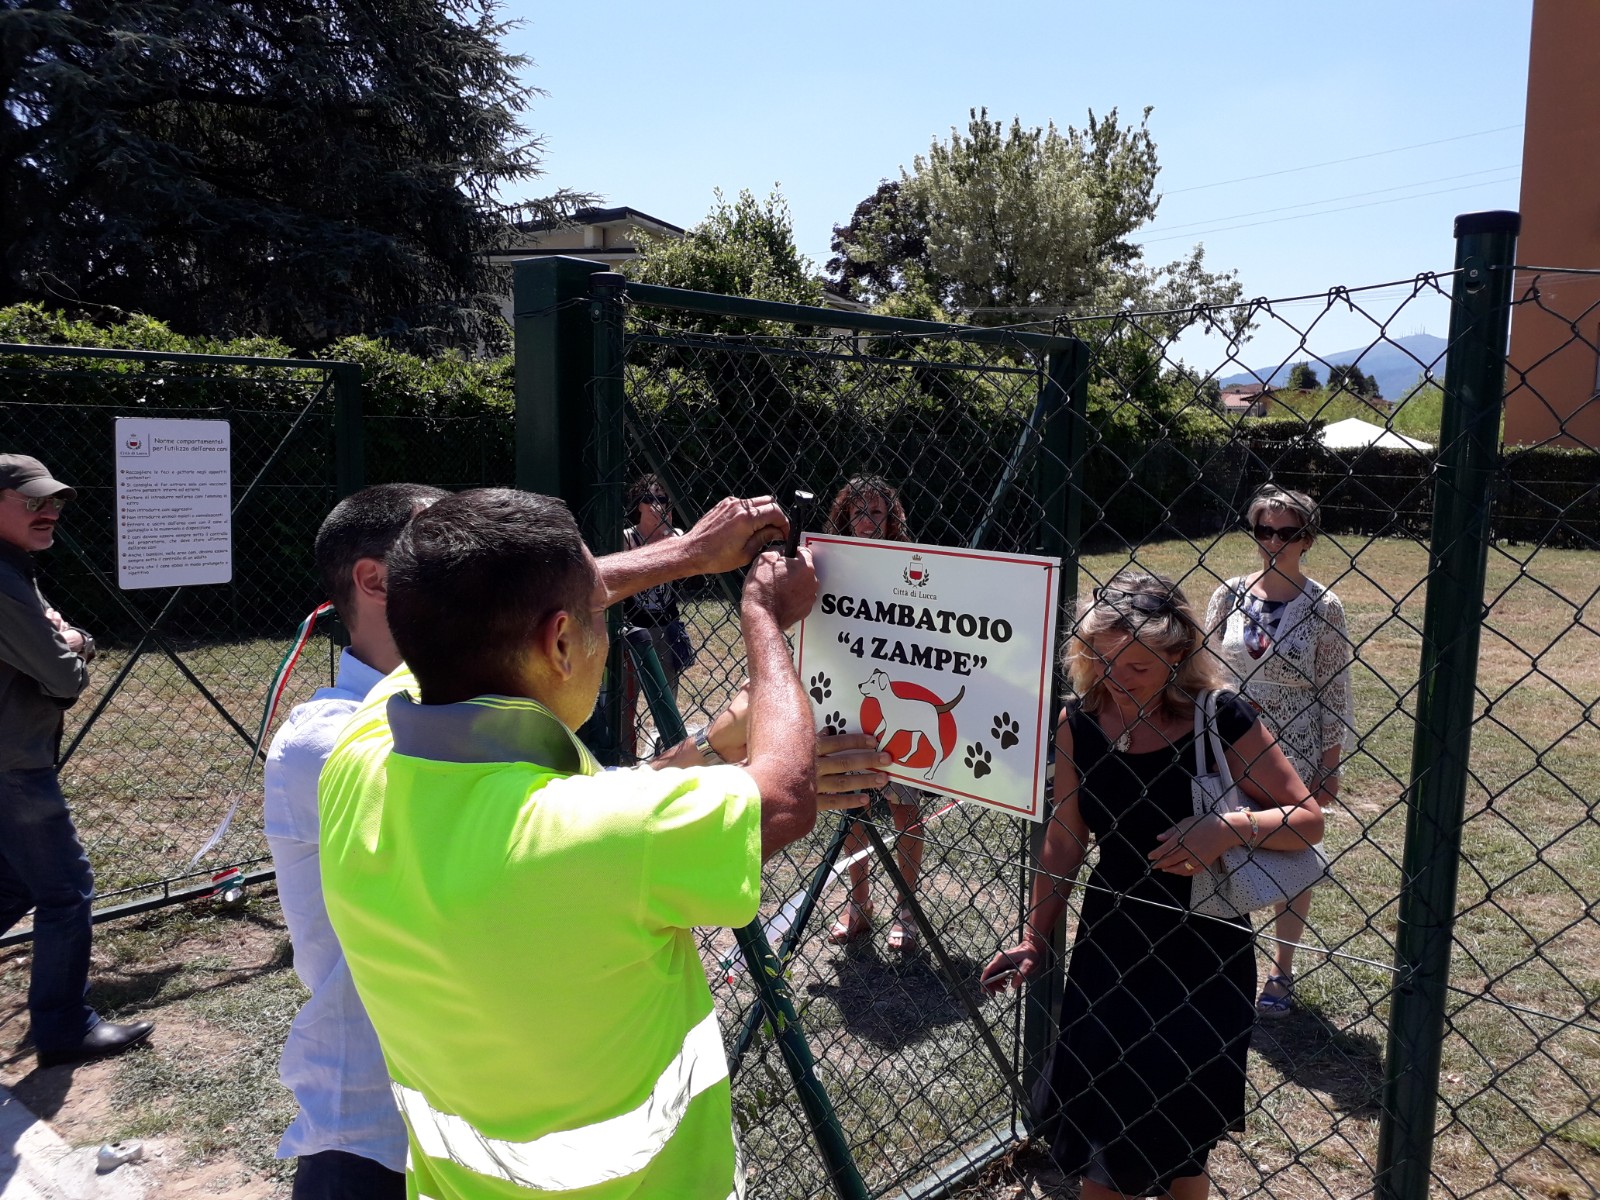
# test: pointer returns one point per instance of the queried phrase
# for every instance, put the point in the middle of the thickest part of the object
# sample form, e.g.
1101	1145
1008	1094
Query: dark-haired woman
653	614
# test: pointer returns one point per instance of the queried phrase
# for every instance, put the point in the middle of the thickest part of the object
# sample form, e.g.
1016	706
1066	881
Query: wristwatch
703	744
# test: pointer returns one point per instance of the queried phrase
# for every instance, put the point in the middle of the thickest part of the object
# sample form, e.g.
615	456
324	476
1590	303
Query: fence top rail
1552	270
657	296
218	360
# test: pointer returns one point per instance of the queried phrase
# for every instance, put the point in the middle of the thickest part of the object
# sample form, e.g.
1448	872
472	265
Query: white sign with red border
945	656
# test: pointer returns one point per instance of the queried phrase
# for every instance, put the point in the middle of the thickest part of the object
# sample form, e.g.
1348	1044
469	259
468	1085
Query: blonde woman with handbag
1283	642
1148	1072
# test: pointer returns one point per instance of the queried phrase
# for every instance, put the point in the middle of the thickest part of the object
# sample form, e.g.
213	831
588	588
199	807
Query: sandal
853	925
904	937
1276	1006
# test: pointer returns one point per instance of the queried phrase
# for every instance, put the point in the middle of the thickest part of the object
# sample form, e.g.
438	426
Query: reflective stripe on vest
590	1154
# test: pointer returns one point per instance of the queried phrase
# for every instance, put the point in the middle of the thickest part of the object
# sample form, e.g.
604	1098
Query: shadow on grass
893	1004
1309	1051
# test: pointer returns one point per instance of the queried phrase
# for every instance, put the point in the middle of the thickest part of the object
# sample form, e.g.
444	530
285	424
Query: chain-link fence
161	746
1441	1027
916	1074
162	742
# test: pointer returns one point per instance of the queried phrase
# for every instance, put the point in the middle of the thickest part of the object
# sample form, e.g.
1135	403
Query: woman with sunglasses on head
1148	1073
652	616
1282	637
869	507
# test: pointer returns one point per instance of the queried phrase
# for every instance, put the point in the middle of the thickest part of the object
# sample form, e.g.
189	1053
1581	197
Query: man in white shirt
348	1134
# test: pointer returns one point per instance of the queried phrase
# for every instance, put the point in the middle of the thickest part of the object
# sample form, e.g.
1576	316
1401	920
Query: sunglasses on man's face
660	498
35	503
1145	602
1283	533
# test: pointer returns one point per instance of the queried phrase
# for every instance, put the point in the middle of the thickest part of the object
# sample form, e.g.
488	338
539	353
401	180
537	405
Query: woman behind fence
651	618
1148	1073
869	507
1282	639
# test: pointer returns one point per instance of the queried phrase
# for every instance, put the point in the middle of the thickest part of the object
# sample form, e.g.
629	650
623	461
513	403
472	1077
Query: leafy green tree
1012	223
883	251
1302	378
746	248
1326	405
1421	411
1346	377
303	171
743	248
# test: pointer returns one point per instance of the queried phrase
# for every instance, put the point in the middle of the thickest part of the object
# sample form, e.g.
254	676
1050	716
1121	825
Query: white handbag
1243	879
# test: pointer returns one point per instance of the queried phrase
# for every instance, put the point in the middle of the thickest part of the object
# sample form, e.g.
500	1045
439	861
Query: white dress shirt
331	1061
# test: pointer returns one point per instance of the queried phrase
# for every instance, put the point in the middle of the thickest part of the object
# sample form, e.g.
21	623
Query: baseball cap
29	476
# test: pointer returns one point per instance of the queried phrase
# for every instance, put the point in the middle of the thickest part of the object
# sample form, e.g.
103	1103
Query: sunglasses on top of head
1284	533
1145	602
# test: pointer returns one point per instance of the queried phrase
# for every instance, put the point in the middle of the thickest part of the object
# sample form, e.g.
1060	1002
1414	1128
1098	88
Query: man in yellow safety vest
518	923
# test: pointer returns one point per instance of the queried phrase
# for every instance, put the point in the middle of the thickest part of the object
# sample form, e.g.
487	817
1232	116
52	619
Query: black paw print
1006	731
978	760
832	723
821	687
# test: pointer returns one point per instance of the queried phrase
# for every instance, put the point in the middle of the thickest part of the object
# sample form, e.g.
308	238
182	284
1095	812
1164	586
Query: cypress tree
301	170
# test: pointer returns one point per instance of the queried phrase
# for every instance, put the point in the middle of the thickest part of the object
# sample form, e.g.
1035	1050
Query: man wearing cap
44	666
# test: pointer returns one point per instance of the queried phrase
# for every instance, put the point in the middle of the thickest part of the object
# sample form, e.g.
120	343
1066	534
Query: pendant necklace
1124	740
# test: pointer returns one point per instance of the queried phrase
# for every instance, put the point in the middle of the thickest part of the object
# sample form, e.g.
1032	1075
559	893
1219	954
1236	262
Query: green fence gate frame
570	350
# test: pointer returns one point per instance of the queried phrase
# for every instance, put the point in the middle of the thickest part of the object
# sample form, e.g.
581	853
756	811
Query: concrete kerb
36	1164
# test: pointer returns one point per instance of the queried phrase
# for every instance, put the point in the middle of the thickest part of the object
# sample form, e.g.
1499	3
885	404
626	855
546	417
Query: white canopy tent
1355	434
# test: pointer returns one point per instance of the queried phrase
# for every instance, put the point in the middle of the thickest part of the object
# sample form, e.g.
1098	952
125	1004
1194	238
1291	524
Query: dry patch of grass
204	1094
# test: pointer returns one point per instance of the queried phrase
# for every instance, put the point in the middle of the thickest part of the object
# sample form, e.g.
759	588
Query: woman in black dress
1149	1071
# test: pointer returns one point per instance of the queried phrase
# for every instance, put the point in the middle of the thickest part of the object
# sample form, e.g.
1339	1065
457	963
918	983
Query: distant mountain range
1395	364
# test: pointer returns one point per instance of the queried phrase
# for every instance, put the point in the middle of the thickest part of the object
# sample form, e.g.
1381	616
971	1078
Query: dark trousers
340	1175
43	867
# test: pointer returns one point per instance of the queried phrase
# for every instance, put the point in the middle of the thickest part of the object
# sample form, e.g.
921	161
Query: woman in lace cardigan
1282	637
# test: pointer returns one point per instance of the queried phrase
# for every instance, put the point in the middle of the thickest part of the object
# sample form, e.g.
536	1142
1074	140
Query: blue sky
654	106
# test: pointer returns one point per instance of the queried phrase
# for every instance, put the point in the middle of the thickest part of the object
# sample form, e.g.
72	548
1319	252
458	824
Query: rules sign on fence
945	656
174	503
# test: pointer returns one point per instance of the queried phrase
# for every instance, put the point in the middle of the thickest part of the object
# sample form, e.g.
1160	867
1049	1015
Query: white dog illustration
915	717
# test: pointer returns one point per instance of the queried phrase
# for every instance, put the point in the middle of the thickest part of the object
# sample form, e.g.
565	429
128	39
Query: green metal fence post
601	514
596	498
1058	478
777	1004
349	456
767	973
554	360
1474	389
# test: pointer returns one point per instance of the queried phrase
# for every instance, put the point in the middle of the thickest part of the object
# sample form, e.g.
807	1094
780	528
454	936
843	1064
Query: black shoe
105	1039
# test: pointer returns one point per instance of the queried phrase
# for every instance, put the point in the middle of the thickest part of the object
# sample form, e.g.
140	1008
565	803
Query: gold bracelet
1255	827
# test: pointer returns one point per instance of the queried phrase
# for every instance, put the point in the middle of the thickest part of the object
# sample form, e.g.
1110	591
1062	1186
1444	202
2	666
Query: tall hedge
941	433
446	420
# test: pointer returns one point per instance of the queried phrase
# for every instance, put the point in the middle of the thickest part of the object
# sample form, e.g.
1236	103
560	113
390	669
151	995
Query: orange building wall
1552	385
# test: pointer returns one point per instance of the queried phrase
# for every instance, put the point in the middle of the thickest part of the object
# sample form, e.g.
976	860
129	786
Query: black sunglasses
655	498
1287	533
1145	602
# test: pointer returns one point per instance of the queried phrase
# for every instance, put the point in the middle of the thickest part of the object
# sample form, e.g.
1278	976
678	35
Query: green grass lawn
160	765
1522	1059
913	1085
